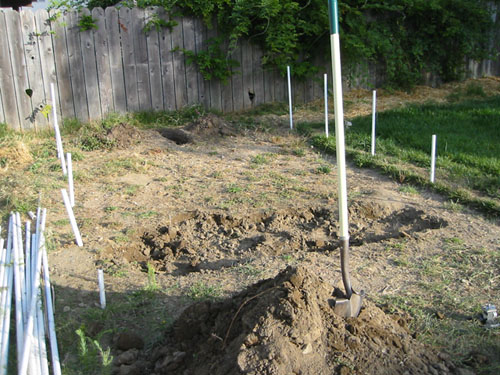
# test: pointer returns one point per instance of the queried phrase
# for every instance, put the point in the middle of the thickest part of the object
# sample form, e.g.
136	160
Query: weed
259	160
61	222
152	283
91	354
249	270
233	188
408	189
287	257
325	169
202	291
110	209
131	189
147	214
453	206
299	152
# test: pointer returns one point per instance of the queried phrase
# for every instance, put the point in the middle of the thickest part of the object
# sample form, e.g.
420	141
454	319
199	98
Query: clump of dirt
286	325
196	241
123	135
209	125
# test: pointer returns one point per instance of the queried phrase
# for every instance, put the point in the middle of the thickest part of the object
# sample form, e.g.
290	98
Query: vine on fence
404	37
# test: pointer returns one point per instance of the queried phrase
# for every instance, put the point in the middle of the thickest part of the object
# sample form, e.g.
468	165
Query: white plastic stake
374	119
60	153
18	290
7	301
102	295
72	220
70	180
54	351
290	95
28	335
326	104
433	157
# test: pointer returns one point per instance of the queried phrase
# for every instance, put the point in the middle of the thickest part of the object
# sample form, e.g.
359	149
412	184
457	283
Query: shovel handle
344	266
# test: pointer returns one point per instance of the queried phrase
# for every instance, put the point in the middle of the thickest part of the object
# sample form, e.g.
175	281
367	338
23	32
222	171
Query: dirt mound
209	125
286	325
123	135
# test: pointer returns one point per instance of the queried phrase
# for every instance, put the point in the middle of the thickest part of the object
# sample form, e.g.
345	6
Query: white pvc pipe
326	104
60	153
41	346
28	335
3	254
289	95
54	351
27	265
18	291
102	295
7	302
72	220
70	180
374	119
21	264
433	157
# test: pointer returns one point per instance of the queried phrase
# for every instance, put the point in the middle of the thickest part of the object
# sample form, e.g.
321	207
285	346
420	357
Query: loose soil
251	217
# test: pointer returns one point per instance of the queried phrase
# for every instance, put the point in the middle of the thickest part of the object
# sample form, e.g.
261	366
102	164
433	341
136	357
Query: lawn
468	148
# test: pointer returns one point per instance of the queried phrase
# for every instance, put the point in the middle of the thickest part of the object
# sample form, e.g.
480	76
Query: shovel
349	306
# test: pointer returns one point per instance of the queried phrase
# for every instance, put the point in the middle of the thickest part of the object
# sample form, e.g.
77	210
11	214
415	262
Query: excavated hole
196	241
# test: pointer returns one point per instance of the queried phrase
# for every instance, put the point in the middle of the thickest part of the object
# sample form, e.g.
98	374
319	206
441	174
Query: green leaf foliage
404	38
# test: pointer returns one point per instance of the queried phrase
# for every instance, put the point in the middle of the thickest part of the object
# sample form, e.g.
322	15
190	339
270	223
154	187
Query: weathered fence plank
258	76
280	86
11	114
104	86
90	70
167	64
62	64
76	66
226	88
113	25
191	75
269	86
247	74
47	63
20	73
154	62
199	44
2	116
129	69
33	66
237	80
214	85
141	60
181	98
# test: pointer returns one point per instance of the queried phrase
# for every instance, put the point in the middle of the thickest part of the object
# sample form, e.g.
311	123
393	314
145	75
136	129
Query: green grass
468	148
201	291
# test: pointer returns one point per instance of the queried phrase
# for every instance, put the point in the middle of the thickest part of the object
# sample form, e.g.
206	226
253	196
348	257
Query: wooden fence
118	67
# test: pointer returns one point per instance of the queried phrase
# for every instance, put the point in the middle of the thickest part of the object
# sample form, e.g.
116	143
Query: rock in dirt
129	340
286	325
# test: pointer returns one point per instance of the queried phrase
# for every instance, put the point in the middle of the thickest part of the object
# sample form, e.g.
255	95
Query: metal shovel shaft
344	265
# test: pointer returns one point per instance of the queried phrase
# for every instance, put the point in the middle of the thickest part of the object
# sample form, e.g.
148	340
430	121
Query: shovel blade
349	308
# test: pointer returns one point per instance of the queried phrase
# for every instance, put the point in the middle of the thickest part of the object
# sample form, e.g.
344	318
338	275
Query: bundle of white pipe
21	272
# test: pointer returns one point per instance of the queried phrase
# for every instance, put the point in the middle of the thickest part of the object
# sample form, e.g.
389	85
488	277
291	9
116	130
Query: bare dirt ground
250	218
